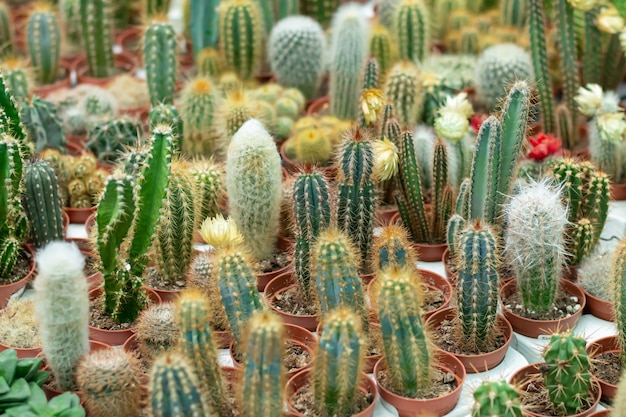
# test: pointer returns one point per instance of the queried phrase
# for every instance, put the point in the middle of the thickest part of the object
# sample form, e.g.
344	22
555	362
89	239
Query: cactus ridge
403	89
392	249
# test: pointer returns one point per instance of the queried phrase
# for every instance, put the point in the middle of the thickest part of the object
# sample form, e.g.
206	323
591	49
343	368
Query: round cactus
107	141
496	399
311	145
156	331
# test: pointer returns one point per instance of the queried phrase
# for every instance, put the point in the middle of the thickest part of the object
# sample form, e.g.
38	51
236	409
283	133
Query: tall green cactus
412	25
496	398
62	310
44	42
403	89
168	114
161	62
392	249
320	10
43	204
96	17
198	104
203	24
382	47
44	125
209	63
339	363
514	13
18	79
618	286
209	178
539	49
7	31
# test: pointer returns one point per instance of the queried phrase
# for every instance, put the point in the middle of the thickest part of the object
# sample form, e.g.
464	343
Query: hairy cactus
536	23
62	310
411	23
262	392
499	398
174	388
201	273
167	114
156	331
203	24
7	31
296	52
209	63
109	383
348	53
607	152
44	42
241	34
42	203
618	278
253	184
383	47
595	274
160	60
96	17
403	89
198	100
45	128
107	141
566	373
339	363
209	179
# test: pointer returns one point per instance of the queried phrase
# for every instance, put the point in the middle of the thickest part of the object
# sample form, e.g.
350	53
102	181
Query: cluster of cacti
314	139
496	398
96	19
43	34
156	330
161	62
44	126
108	140
83	107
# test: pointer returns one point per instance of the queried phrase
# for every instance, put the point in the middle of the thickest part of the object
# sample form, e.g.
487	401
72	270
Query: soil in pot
21	269
443	382
304	401
156	281
292	302
565	305
432	299
279	260
447	334
99	319
295	356
534	396
607	367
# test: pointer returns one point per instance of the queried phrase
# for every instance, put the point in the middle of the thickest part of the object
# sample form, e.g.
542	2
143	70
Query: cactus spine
392	249
44	42
44	126
539	49
160	60
499	398
10	122
108	140
203	24
198	100
156	331
209	180
109	383
18	79
62	310
96	18
209	63
43	204
383	47
411	21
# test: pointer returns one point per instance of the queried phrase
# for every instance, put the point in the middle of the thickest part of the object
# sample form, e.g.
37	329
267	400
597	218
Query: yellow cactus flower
610	21
451	125
219	232
385	159
584	5
459	104
372	102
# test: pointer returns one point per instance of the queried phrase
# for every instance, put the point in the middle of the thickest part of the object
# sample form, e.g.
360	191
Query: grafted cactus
43	204
44	42
496	398
161	62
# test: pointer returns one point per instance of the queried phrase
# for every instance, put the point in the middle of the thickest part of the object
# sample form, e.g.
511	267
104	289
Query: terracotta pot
318	105
74	148
601	413
115	337
7	290
409	407
303	377
79	215
570	272
125	38
104	166
329	171
535	328
22	352
65	82
280	284
370	360
604	345
96	279
385	217
618	192
90	223
124	61
482	362
282	245
530	373
79	142
425	252
166	296
598	307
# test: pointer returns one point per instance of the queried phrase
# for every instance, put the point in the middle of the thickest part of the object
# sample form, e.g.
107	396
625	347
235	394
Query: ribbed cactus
203	24
209	178
44	42
404	90
109	383
618	286
174	389
383	47
496	398
209	63
253	178
262	391
286	8
160	60
339	361
108	140
197	344
441	13
198	102
45	128
7	31
62	310
408	352
477	285
241	34
167	114
320	10
348	53
156	330
96	17
606	152
412	29
535	241
566	373
43	204
539	50
296	53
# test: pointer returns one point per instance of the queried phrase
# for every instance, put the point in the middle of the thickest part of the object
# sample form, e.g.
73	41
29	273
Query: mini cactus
156	331
18	77
44	42
496	398
108	141
403	89
96	17
595	274
198	103
234	110
514	13
109	383
411	22
310	145
392	249
160	60
44	126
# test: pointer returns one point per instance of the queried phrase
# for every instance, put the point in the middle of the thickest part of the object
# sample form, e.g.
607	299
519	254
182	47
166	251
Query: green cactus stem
209	179
161	62
496	398
96	17
44	42
412	25
108	140
10	122
403	89
7	30
167	114
536	22
45	128
43	204
155	7
209	63
156	330
320	10
286	8
198	103
203	24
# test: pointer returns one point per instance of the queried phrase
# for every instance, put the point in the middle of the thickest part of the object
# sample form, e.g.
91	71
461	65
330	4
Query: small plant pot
282	245
124	61
423	251
303	378
440	406
598	307
531	374
535	328
280	284
608	344
318	106
370	360
7	290
481	362
601	413
90	223
79	215
618	192
166	296
115	337
22	352
129	39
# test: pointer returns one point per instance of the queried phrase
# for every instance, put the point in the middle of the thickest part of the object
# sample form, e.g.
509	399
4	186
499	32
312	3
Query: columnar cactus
96	17
383	47
496	398
156	331
203	24
539	52
109	383
7	31
262	390
514	13
44	42
209	178
566	373
253	184
198	100
174	389
348	53
209	63
62	310
403	89
18	78
296	53
241	34
320	10
160	60
618	287
412	25
392	249
45	128
43	204
167	114
338	363
108	140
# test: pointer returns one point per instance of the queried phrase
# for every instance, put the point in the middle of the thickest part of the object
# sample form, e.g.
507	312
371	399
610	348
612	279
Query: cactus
310	145
96	17
286	8
241	33
566	373
209	178
197	344
42	203
109	383
595	274
10	122
155	7
174	389
496	398
320	10
161	62
262	392
411	22
238	107
253	178
514	13
296	53
168	115
44	42
535	241
539	50
392	249
383	47
209	63
408	352
62	310
7	31
607	153
618	287
44	126
403	89
18	77
198	100
348	52
339	363
203	24
107	141
156	330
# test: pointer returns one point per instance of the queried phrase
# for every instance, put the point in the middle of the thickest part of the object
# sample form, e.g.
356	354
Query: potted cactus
496	398
595	277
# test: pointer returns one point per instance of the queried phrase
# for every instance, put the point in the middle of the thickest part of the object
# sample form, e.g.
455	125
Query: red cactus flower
543	146
476	120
